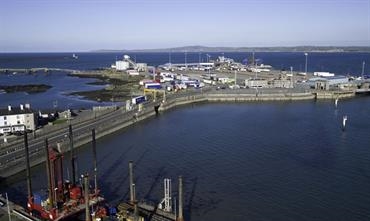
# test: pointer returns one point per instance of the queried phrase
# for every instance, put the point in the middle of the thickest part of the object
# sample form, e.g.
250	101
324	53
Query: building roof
14	111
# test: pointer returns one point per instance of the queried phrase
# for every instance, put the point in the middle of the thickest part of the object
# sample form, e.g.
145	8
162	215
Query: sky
84	25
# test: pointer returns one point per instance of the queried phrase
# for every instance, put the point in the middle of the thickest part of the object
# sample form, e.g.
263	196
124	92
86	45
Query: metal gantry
166	203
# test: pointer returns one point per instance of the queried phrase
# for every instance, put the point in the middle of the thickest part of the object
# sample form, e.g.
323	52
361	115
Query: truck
153	86
138	100
323	74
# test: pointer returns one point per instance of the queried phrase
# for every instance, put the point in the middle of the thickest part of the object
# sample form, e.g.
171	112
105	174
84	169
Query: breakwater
12	156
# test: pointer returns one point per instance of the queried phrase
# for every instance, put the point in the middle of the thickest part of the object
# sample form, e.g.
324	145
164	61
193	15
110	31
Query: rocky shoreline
119	87
29	88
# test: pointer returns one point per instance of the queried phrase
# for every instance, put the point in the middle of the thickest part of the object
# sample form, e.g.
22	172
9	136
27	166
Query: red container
75	193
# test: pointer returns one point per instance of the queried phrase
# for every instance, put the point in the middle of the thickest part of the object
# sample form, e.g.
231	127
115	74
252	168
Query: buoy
344	122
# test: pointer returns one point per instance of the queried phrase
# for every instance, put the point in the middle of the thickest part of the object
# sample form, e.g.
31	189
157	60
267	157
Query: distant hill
198	48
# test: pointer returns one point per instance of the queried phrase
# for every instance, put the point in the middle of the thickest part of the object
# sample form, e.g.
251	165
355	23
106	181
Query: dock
14	211
141	210
145	211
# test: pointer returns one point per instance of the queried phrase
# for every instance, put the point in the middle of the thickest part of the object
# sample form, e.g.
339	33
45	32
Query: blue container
39	197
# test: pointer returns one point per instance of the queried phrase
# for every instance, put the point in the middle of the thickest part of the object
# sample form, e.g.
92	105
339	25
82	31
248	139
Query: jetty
142	210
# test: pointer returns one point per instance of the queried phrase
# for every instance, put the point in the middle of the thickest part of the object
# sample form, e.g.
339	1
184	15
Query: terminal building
17	119
329	81
128	64
256	83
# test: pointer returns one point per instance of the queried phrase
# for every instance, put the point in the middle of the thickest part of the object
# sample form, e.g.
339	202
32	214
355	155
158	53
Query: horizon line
193	48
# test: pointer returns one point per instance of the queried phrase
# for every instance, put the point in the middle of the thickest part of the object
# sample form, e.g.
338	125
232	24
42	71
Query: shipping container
138	100
153	86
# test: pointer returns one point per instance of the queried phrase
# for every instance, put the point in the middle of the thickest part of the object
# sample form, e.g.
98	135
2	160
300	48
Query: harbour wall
123	119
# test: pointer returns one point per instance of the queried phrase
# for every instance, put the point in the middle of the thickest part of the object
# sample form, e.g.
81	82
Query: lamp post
209	69
169	59
291	75
363	70
305	69
186	65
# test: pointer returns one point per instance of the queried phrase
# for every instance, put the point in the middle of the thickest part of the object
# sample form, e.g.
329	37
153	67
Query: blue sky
82	25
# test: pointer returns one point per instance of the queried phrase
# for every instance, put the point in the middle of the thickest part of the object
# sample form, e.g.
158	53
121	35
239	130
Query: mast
180	215
95	160
86	194
132	194
28	169
72	155
48	173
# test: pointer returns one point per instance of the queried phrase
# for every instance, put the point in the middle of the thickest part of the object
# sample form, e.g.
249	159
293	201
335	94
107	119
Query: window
18	122
4	117
5	123
18	116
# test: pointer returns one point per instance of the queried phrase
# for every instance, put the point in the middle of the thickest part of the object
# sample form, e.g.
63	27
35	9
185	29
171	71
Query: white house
256	83
13	119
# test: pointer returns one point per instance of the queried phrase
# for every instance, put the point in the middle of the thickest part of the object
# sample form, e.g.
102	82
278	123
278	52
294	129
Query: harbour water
241	161
339	63
57	97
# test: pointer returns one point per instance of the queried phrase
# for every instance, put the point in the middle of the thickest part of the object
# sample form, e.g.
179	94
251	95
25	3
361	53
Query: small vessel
344	122
74	56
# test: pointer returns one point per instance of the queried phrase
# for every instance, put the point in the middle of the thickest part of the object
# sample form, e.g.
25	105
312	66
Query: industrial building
128	64
282	83
256	83
330	81
17	119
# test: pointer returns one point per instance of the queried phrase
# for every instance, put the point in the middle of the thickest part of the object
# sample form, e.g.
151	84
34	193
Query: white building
13	119
126	63
331	81
122	65
256	83
323	74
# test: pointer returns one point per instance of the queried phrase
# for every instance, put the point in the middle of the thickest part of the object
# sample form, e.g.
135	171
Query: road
12	155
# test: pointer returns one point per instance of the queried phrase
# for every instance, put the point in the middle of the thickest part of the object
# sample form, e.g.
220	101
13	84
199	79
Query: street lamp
306	54
291	76
186	65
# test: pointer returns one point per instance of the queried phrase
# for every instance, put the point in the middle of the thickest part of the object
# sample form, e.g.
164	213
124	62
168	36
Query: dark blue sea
266	161
276	161
339	63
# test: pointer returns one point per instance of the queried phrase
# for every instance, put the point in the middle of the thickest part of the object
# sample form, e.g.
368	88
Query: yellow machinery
154	93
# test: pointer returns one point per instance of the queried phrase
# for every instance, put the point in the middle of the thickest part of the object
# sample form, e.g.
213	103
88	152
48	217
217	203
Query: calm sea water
339	63
56	97
241	161
252	161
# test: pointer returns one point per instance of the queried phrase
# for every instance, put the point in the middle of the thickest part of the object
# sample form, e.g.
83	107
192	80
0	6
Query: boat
64	199
74	56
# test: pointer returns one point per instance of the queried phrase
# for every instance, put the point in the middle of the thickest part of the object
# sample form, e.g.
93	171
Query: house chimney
9	108
21	106
27	106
